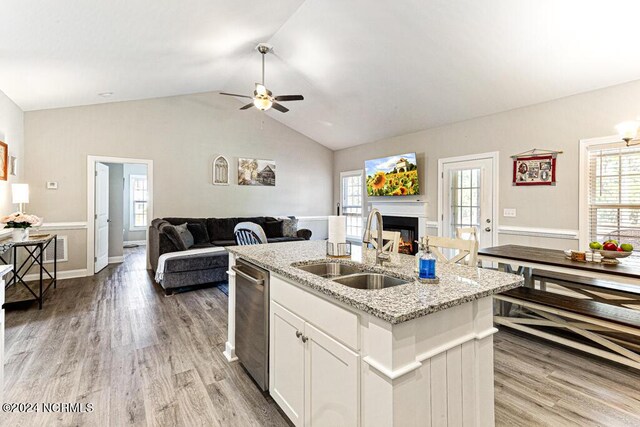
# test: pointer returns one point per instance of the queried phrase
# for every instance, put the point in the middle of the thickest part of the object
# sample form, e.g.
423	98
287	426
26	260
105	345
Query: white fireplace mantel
409	208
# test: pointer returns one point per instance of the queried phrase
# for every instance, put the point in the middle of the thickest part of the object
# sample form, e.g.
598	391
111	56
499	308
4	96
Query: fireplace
408	228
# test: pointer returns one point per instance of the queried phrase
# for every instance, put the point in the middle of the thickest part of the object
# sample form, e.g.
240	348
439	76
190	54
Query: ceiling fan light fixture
628	131
262	103
260	89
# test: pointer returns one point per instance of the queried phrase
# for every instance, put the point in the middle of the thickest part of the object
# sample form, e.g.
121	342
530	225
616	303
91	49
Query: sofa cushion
196	262
202	245
224	242
221	228
273	228
199	232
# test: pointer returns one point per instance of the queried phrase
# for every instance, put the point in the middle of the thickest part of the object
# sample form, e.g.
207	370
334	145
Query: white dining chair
465	251
390	240
467	233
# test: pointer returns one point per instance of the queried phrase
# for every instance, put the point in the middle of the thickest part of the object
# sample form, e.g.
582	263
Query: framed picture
256	172
4	161
534	170
220	171
13	165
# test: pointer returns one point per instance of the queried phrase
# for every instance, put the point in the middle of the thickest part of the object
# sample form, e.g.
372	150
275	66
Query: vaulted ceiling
368	69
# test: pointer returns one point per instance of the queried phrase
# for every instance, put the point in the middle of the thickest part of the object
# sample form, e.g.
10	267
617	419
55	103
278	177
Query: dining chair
390	240
467	250
249	233
467	233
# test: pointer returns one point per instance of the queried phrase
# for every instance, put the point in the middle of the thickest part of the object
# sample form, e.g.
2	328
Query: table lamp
20	195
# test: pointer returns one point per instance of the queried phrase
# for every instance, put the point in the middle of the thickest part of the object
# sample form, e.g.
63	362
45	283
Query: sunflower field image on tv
393	176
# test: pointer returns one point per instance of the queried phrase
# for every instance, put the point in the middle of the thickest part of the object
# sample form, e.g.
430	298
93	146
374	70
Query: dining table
523	260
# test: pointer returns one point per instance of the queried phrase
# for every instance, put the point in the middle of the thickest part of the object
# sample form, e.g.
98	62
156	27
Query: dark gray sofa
197	269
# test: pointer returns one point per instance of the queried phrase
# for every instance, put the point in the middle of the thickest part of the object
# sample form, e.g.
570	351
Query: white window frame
132	214
346	174
612	141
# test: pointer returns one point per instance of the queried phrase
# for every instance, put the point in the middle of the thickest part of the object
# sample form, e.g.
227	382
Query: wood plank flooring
114	340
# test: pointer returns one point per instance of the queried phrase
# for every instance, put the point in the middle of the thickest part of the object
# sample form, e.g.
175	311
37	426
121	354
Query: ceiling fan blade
234	94
282	98
279	107
247	106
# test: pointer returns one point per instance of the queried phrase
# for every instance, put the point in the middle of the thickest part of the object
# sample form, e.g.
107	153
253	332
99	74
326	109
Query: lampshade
262	103
628	130
20	193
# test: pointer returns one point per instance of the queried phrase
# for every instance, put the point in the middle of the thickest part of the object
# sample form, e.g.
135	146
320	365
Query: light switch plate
509	213
51	185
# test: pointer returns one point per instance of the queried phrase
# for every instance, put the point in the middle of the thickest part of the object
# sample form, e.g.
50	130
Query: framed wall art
535	168
4	161
221	171
256	172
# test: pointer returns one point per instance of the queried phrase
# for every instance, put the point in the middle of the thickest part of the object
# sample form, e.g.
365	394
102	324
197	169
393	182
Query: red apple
620	250
609	246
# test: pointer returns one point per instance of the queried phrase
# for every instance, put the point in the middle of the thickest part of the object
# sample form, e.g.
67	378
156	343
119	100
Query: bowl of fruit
611	250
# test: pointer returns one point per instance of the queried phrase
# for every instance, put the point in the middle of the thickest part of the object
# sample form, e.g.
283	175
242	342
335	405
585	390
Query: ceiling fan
263	98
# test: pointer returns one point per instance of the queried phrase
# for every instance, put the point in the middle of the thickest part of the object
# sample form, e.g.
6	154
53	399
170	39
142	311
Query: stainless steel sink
369	281
329	270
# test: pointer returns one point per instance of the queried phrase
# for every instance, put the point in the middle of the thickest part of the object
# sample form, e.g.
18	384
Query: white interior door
468	198
101	217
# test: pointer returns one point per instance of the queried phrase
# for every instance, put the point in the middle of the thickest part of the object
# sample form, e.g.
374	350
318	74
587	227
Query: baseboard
116	259
136	242
66	274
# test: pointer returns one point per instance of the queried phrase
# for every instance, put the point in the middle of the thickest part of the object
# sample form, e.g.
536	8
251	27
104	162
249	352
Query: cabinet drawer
330	318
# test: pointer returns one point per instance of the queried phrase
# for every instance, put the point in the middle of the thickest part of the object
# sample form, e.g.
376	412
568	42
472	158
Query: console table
34	248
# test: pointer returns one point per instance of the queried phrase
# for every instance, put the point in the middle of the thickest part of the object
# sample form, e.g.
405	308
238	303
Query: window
351	200
465	199
614	194
139	201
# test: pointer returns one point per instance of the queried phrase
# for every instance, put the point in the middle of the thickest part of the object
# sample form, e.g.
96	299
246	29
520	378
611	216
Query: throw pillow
290	227
185	235
273	228
199	232
173	235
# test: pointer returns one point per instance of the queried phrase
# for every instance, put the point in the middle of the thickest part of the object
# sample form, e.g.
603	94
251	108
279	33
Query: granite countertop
458	284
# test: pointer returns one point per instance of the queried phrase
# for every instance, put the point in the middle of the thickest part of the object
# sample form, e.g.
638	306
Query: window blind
614	195
352	203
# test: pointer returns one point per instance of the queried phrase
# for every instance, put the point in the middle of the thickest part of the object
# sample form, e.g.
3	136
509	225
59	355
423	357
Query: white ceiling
368	70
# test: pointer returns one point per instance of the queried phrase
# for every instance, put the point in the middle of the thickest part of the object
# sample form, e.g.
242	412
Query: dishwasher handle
252	279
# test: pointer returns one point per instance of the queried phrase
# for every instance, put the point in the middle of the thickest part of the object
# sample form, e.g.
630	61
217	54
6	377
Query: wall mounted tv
393	176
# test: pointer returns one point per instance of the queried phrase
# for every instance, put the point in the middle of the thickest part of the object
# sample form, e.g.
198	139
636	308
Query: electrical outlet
509	213
51	185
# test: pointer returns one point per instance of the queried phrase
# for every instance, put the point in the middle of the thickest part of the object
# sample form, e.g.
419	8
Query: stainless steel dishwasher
252	320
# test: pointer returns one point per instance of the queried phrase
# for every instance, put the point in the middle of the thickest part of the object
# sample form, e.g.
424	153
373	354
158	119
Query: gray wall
556	125
12	134
131	235
115	209
182	135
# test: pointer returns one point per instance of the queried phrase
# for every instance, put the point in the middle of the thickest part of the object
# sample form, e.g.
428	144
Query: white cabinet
286	362
313	377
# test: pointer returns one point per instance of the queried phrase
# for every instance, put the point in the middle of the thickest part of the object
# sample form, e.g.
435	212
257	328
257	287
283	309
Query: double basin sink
352	276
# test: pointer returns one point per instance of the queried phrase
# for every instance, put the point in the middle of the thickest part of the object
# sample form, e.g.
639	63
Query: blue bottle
427	264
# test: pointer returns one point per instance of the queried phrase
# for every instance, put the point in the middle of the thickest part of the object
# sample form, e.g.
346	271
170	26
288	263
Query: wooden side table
34	248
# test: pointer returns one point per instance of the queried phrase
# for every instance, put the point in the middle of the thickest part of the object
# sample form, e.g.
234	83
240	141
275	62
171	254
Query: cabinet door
332	381
286	362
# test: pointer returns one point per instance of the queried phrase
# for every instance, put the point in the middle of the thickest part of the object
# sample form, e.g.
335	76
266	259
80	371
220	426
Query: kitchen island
411	354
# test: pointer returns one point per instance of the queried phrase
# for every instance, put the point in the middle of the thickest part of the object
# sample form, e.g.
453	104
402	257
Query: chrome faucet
381	257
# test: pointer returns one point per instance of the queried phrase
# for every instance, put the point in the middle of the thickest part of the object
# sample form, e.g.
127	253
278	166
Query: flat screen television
393	176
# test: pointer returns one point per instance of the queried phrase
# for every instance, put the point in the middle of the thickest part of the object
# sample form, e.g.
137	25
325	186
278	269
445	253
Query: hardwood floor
114	340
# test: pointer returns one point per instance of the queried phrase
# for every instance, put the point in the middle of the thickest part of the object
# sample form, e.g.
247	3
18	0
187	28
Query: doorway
468	196
119	208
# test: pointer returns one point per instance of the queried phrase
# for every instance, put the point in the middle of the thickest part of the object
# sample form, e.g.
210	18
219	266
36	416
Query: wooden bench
603	329
619	294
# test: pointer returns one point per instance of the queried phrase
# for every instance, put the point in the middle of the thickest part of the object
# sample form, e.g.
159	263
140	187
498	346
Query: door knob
487	229
304	339
298	334
488	220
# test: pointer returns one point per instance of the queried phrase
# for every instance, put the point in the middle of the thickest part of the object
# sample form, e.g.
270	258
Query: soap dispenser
427	264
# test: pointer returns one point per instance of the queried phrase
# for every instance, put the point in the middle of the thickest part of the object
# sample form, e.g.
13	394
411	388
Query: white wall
12	134
555	125
131	169
182	135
